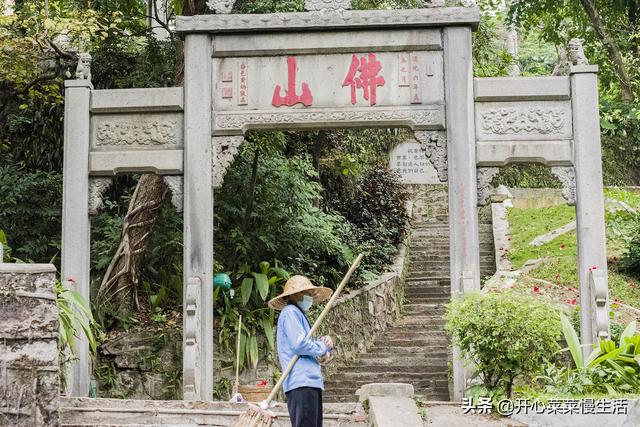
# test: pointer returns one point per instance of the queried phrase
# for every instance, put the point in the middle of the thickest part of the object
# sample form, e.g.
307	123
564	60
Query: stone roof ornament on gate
576	52
83	69
222	7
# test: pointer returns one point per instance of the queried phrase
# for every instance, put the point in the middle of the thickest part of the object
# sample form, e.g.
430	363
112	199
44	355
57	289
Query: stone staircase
415	349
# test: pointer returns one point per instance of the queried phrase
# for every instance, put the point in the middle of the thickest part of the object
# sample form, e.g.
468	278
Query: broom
260	416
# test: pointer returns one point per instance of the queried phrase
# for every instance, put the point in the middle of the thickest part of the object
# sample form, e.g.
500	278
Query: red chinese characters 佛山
290	97
368	79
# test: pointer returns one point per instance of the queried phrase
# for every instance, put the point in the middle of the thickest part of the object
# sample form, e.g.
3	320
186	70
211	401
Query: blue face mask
305	302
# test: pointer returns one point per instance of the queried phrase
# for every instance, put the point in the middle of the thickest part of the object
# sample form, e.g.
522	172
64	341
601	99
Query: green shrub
631	258
506	334
30	213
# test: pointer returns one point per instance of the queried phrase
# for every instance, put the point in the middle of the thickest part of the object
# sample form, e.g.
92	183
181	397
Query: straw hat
298	284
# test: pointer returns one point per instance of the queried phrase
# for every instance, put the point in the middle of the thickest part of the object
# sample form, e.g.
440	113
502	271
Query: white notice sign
411	163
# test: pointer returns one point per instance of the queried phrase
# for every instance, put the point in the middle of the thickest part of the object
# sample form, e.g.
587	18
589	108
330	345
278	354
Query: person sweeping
299	352
303	387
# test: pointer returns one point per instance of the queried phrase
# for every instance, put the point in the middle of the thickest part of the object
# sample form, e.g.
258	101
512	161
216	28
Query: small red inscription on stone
415	92
290	97
368	79
227	91
243	84
403	69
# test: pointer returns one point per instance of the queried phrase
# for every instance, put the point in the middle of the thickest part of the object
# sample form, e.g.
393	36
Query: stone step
401	360
444	299
409	338
424	309
435	321
400	351
437	366
358	379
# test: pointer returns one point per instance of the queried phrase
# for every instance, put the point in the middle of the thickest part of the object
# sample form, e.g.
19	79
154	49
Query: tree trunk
618	63
120	282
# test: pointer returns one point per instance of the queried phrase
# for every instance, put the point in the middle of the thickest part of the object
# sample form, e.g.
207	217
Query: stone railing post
29	370
75	217
592	253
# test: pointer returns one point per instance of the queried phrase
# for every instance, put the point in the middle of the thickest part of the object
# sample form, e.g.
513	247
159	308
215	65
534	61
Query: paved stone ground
453	416
414	349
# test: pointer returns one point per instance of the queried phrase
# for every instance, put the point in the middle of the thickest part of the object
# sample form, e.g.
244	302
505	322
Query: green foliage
611	368
284	221
251	290
6	250
631	258
74	315
30	209
527	175
506	334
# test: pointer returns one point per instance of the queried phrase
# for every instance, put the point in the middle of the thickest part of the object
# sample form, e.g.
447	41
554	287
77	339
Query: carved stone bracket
567	176
176	185
225	149
97	186
312	5
599	292
221	6
434	144
191	338
484	176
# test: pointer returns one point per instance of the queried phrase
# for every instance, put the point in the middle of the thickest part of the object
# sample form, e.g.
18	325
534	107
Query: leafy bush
30	210
378	214
506	334
631	259
611	368
278	217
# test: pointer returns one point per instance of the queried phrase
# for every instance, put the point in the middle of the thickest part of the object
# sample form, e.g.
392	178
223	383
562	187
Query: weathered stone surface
387	411
384	389
29	372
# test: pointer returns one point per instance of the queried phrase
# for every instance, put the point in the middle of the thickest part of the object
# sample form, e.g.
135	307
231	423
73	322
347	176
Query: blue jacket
292	329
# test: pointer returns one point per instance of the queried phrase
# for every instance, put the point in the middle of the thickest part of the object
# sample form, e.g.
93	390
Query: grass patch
632	198
527	224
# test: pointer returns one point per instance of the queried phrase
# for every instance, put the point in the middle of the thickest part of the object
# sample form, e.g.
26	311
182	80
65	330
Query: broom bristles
255	416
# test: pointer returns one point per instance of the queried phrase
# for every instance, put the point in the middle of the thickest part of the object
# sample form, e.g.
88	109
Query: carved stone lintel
432	117
434	144
567	176
225	149
576	52
221	6
97	186
312	5
523	121
484	177
175	184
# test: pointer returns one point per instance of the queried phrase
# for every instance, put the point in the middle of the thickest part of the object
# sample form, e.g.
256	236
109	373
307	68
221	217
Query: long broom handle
315	326
237	383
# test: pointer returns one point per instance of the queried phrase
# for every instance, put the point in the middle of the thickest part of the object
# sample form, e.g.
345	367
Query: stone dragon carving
518	121
484	176
567	176
176	186
225	149
97	187
434	144
417	117
132	132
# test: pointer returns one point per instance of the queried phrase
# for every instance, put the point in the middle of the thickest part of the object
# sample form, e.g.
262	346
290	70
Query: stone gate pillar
75	215
592	255
198	220
461	155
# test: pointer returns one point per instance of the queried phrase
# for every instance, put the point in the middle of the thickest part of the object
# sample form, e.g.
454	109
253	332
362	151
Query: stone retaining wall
29	371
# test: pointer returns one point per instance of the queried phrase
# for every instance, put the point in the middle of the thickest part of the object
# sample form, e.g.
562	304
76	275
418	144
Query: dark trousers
305	406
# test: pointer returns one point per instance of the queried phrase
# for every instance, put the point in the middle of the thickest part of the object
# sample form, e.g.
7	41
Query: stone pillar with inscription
198	220
592	254
75	217
461	154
